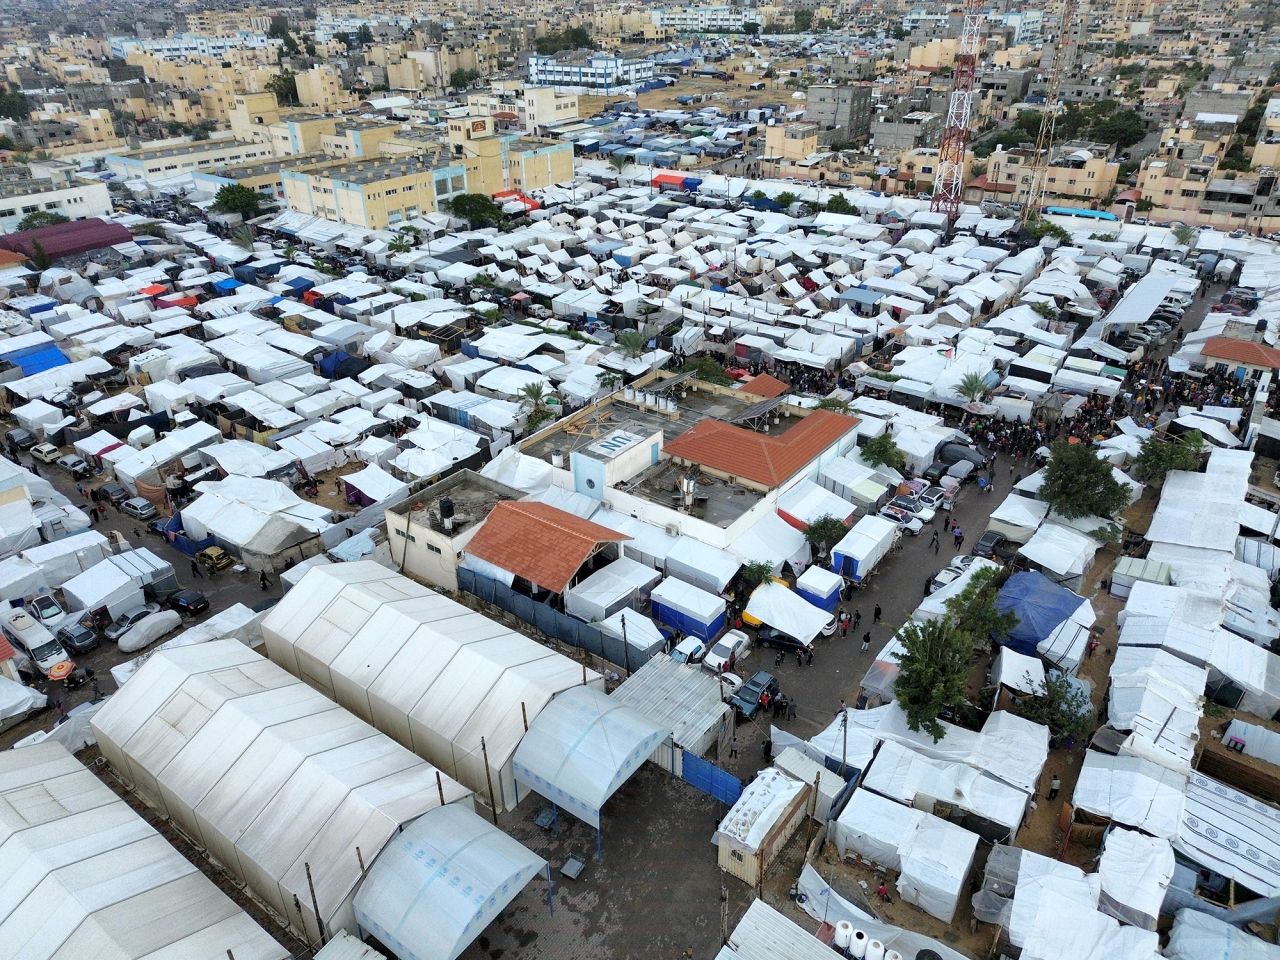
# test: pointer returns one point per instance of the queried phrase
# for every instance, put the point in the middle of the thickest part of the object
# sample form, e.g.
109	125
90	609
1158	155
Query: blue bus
1081	212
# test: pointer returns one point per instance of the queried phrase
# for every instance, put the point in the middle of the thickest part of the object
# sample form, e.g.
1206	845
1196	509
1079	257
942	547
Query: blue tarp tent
227	285
1040	605
37	359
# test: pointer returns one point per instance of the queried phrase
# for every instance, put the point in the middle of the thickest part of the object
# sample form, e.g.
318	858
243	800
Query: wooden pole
524	715
440	787
360	860
315	905
488	777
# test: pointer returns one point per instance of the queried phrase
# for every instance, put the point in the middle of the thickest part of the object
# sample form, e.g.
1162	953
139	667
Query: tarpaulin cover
39	359
1135	871
1040	606
440	882
820	587
1198	936
581	748
779	607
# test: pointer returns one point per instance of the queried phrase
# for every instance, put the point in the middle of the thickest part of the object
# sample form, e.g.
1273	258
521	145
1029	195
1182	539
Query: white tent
639	631
1197	936
609	589
266	774
440	882
85	876
933	857
702	565
581	748
103	585
1232	834
1131	791
780	607
1134	871
1062	551
427	671
773	541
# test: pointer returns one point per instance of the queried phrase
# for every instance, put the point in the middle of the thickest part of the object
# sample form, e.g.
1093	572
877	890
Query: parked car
45	452
943	577
767	636
746	699
187	602
139	508
727	651
213	559
913	506
903	519
729	684
76	638
936	471
20	438
988	544
933	498
116	493
829	628
689	650
30	636
46	610
75	466
955	452
127	621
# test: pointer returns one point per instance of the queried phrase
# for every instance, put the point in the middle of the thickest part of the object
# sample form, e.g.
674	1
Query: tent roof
581	748
780	607
440	883
88	877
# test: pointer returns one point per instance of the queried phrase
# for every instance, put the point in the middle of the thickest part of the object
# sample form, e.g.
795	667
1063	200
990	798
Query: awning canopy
440	882
581	748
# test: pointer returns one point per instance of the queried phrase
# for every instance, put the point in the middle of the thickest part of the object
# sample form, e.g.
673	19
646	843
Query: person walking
933	541
875	614
866	641
195	570
733	748
857	618
263	580
1054	786
958	534
809	658
844	624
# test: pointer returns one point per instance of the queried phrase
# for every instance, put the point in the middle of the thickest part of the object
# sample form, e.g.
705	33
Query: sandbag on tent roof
581	748
1197	936
779	607
440	882
88	877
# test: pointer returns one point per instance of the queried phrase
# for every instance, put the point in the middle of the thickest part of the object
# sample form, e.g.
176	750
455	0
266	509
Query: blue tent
227	285
36	359
1040	605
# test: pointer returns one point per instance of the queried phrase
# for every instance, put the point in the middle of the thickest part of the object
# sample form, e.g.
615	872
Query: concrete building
372	193
533	109
918	128
265	176
1027	26
1082	174
181	46
322	88
597	73
164	163
709	19
843	111
496	162
76	200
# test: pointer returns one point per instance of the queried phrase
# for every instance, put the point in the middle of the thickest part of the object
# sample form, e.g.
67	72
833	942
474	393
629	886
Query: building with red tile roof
758	460
539	543
66	239
1246	353
765	386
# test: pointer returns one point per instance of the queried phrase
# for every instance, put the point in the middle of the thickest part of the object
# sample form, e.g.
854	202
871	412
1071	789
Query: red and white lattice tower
948	184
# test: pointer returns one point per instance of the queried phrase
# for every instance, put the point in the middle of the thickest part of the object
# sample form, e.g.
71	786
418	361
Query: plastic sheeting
700	564
1131	791
688	609
1231	833
440	882
779	607
1135	871
1198	936
764	801
773	541
609	589
581	748
1040	605
17	700
856	555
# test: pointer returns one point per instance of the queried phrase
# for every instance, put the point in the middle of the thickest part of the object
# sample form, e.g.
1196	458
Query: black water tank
446	508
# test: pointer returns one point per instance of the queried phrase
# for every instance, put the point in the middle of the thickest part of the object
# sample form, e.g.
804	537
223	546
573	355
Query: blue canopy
228	284
1040	605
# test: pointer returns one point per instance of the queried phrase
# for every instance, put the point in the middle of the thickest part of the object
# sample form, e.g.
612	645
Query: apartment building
495	162
842	110
322	88
909	131
75	200
532	109
709	19
1078	172
164	163
264	176
180	46
597	73
352	139
373	193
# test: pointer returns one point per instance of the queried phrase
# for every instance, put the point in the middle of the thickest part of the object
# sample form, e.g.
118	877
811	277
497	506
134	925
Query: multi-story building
322	88
532	109
373	193
909	131
1082	173
165	163
1027	26
1266	150
496	163
597	73
181	46
710	19
265	176
352	139
75	200
843	111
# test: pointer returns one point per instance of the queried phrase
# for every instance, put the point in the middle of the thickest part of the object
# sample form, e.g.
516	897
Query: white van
32	638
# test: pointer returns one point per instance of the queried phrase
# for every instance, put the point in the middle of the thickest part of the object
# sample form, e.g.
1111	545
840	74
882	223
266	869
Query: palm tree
399	244
1185	234
619	163
755	573
536	394
242	237
609	381
973	387
632	343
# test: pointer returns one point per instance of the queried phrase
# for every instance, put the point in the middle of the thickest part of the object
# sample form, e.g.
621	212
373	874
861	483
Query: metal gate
710	779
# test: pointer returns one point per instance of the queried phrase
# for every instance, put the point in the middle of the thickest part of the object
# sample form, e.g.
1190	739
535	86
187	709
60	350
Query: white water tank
875	950
557	459
843	936
892	955
858	945
629	394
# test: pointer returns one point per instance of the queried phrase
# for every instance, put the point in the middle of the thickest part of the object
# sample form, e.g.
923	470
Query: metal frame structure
1071	11
948	183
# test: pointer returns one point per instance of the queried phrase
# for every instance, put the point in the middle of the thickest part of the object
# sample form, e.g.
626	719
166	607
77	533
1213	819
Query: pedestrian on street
809	659
733	748
766	747
959	537
799	659
933	541
866	641
791	708
777	660
882	891
857	618
1054	786
947	525
875	614
263	580
844	623
195	570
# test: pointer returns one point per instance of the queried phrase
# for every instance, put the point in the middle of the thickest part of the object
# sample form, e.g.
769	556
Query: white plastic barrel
843	935
858	945
875	950
892	955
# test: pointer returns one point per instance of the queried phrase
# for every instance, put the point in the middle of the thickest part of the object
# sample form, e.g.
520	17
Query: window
737	855
434	549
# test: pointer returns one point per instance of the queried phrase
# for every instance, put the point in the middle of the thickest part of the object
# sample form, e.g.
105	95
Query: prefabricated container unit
857	554
686	608
1129	570
827	784
761	822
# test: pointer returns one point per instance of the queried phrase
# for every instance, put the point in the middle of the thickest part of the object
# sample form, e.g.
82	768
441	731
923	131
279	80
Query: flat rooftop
256	168
473	498
185	149
379	168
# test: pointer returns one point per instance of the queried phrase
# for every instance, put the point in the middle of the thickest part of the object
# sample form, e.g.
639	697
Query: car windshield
722	649
46	605
46	651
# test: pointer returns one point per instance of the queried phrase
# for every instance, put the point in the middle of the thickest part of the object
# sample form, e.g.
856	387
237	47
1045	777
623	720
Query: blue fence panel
712	780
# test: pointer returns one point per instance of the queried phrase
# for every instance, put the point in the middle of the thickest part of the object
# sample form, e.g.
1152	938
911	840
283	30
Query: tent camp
432	674
610	589
857	554
581	748
687	608
88	877
278	784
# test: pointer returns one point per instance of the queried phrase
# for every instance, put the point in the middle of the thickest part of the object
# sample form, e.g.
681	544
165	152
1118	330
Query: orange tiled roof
6	650
8	258
1241	351
539	542
765	386
762	459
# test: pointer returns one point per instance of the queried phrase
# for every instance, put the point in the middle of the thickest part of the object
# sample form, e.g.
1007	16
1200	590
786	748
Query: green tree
285	86
399	244
1158	455
750	28
242	237
40	258
6	142
785	199
364	36
972	612
632	344
834	404
237	198
476	208
1124	128
536	394
803	20
1063	707
882	451
825	532
463	78
1185	234
41	218
13	104
619	162
972	387
839	204
933	669
754	573
1078	483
